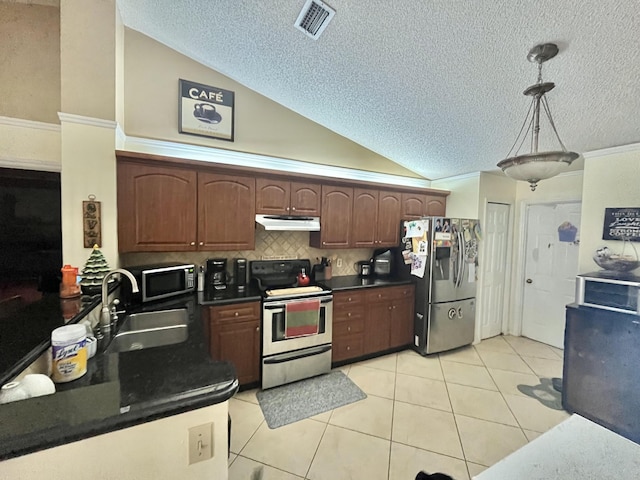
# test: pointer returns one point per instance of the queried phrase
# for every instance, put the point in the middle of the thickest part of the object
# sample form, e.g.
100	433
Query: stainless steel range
296	322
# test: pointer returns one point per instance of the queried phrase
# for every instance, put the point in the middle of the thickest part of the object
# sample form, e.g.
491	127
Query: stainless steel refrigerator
443	256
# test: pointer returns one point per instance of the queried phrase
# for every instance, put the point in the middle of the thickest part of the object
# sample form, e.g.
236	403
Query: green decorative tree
93	272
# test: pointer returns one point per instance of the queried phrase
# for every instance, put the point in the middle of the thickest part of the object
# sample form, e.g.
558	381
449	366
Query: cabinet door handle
293	208
348	329
287	209
348	348
201	243
349	299
257	329
192	243
389	307
236	314
379	295
349	314
394	307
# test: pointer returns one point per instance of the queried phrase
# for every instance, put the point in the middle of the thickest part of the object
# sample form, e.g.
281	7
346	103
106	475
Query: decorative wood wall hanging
91	219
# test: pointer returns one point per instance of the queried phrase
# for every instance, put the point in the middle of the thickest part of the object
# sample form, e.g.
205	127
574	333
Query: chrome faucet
105	314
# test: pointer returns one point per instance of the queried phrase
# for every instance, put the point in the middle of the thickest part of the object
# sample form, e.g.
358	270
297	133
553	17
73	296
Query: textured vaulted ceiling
435	86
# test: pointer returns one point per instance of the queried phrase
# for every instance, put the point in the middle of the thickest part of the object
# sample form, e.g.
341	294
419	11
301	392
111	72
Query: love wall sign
621	224
91	222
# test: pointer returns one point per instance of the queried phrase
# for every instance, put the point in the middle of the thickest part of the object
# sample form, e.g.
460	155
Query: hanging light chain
547	110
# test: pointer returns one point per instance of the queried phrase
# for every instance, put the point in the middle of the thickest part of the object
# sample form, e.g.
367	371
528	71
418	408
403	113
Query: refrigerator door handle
462	255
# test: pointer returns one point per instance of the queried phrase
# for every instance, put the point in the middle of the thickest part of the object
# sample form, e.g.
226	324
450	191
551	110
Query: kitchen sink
151	329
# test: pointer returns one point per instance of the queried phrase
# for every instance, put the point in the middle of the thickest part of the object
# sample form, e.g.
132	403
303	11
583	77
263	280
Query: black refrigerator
440	254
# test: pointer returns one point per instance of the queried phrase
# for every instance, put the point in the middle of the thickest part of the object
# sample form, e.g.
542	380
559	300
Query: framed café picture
206	111
621	224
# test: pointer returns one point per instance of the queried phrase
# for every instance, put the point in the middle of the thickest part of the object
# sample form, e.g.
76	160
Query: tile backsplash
269	246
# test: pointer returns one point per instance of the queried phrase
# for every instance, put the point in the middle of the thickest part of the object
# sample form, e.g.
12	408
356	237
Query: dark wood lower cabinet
234	333
371	320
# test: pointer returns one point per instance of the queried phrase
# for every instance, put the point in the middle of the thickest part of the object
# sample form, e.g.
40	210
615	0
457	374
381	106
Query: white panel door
551	267
496	230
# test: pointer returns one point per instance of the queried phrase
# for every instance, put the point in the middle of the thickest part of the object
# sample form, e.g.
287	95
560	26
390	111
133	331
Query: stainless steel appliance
217	273
382	262
363	268
160	281
445	305
618	292
286	356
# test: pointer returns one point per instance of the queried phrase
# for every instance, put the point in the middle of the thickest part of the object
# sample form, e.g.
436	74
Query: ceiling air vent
314	18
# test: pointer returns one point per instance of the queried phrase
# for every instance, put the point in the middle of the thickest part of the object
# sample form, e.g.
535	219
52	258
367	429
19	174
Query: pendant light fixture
535	166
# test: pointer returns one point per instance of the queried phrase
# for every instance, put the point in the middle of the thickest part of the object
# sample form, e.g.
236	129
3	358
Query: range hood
286	223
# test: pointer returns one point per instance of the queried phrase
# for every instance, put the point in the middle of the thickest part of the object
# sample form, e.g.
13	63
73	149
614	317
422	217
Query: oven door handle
280	306
287	357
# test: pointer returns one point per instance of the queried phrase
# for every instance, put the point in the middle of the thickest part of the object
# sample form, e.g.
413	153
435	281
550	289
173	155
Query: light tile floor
458	412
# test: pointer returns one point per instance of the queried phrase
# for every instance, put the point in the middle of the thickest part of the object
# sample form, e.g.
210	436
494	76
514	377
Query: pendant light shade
535	166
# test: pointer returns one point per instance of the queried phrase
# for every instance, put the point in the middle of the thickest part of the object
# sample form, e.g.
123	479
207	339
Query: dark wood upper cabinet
417	205
414	206
156	208
336	218
389	209
305	199
226	212
376	218
280	197
365	218
436	206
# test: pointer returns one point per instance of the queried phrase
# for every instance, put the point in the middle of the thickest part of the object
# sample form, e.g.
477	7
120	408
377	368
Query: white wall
611	179
464	198
155	451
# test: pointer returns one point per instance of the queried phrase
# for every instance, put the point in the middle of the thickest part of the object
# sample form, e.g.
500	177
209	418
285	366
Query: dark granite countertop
351	282
231	294
120	390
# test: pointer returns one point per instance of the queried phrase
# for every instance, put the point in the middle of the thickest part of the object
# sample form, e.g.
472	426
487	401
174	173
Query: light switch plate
200	443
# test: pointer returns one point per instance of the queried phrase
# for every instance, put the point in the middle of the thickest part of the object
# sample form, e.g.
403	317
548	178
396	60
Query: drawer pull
349	314
349	299
379	295
348	329
348	348
236	314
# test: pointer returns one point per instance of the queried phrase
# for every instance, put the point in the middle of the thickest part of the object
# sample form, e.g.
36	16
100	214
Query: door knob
529	280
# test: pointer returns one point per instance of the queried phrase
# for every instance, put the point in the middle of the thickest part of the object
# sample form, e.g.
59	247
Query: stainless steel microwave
608	291
160	281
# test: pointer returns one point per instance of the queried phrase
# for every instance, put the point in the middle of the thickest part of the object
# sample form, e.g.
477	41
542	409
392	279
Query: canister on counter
69	353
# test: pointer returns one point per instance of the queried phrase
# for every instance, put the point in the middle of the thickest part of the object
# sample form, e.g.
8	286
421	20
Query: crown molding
19	122
455	178
90	121
631	147
29	164
242	159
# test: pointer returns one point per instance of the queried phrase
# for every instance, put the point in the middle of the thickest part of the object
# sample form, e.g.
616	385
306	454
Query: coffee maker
217	273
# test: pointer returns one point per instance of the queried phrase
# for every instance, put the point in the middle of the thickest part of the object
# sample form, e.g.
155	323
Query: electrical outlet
339	263
200	443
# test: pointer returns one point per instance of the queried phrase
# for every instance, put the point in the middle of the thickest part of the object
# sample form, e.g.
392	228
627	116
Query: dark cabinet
336	218
172	209
281	197
348	325
417	205
226	212
376	218
157	208
389	318
234	335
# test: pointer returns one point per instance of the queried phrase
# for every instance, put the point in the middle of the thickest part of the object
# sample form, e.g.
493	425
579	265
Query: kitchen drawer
348	327
344	348
351	297
346	313
237	312
383	294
